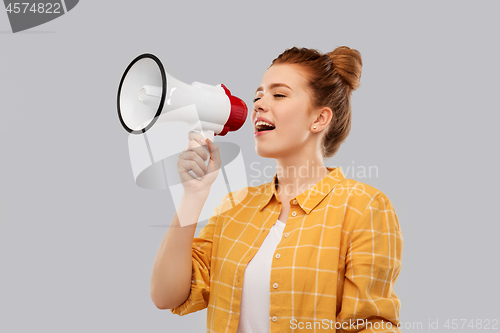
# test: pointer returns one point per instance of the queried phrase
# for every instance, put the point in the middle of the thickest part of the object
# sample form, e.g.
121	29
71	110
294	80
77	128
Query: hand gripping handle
207	135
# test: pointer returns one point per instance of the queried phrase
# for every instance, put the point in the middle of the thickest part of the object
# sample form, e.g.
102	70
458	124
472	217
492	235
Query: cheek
294	132
291	126
294	122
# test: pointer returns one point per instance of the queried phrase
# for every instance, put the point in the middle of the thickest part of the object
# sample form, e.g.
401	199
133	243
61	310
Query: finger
194	143
192	165
214	153
200	150
193	156
198	137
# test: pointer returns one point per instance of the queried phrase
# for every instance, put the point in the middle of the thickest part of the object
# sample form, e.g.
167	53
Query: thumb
214	154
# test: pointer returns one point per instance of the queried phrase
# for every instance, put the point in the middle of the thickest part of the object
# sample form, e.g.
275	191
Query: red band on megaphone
238	113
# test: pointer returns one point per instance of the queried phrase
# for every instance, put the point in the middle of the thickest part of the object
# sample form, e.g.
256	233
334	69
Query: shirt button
277	255
294	202
287	234
294	213
275	319
275	286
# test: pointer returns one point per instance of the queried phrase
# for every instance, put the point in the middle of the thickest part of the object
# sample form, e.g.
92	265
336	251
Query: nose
260	105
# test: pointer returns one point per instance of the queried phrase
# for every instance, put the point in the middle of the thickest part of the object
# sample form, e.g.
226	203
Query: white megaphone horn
147	93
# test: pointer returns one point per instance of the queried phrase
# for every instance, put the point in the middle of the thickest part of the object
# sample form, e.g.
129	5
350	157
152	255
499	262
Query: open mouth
262	126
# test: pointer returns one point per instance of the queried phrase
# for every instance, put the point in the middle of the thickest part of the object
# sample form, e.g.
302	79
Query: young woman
309	250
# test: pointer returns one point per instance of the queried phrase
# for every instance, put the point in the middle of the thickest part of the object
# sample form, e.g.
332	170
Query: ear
321	119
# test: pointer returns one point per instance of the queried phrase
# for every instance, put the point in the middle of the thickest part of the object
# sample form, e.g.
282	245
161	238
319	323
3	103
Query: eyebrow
272	86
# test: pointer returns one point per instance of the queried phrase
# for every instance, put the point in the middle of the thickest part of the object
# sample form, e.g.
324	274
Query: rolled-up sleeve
201	258
373	263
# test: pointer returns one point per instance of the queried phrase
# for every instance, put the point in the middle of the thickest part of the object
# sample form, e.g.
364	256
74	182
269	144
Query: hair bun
347	63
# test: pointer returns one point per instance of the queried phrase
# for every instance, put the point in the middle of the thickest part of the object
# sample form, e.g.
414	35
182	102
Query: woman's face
283	101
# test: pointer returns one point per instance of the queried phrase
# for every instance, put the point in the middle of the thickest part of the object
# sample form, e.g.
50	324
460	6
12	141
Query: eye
275	95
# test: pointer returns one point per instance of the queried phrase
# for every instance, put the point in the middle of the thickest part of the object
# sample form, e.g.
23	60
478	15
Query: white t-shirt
254	310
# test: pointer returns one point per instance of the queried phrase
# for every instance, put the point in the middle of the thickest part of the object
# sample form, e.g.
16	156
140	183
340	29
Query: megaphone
147	91
147	94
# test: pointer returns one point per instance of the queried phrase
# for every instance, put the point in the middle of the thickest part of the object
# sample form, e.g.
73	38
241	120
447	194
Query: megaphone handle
207	135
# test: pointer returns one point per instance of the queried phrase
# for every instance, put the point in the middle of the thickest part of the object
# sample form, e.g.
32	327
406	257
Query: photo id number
477	324
35	8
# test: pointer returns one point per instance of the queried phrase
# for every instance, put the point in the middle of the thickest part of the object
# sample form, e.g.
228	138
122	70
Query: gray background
79	237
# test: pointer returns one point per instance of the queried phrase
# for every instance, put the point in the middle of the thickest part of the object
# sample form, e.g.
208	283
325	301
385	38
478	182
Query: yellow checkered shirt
340	256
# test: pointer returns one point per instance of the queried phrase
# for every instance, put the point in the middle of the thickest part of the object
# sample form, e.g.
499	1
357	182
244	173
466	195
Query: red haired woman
309	250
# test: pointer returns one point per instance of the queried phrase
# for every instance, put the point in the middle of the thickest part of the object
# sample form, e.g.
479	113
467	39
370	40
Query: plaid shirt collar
310	198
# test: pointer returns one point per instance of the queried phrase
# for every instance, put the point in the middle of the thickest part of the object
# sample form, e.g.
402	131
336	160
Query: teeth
260	122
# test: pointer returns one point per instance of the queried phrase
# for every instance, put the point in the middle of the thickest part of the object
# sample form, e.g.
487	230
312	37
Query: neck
296	176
